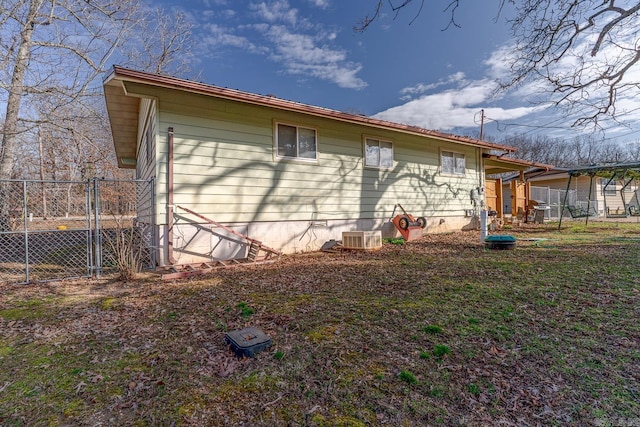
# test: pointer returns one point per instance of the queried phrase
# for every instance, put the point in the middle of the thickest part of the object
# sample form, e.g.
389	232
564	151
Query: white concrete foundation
195	242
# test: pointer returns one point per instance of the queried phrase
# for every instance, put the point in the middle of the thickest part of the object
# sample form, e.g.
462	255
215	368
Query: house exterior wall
614	204
225	169
146	154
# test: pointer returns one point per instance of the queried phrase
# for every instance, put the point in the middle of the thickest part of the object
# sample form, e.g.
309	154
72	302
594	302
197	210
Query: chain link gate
54	230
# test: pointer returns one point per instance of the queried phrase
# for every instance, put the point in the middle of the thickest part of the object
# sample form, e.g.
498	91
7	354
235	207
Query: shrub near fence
52	230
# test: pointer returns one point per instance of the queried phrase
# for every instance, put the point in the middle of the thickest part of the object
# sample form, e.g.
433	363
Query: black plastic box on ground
248	341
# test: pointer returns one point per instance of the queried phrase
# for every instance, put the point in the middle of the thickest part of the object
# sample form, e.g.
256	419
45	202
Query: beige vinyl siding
581	184
614	202
146	158
225	168
556	183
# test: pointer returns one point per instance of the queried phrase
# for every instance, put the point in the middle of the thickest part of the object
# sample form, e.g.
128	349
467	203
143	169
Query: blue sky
410	72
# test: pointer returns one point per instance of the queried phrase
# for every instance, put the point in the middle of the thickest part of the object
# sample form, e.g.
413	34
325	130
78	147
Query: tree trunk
10	131
10	128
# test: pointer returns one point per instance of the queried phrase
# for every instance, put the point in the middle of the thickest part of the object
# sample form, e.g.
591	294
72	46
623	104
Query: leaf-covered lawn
435	332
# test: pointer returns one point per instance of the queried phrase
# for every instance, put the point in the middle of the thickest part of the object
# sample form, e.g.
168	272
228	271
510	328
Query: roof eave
495	164
273	102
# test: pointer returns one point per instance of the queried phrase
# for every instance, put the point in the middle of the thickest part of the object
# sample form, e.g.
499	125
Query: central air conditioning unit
362	240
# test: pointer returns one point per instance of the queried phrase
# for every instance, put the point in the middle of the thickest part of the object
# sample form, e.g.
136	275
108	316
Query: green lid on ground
500	238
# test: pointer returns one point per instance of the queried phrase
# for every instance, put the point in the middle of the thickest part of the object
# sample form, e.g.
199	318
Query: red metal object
409	226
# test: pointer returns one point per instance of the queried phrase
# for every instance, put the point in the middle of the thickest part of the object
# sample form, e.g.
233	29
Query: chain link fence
554	199
54	230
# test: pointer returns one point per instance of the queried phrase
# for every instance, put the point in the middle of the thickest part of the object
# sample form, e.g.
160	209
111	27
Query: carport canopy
496	164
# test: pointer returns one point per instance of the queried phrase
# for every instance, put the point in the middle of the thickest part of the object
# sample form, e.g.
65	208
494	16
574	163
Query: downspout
170	257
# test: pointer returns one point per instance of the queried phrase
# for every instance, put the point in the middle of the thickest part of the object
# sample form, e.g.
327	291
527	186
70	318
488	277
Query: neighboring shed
290	175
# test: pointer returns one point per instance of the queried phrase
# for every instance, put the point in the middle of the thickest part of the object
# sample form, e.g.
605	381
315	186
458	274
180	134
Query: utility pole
481	124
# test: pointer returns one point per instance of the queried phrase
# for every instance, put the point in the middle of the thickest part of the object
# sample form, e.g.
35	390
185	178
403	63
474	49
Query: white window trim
453	173
364	152
276	156
611	190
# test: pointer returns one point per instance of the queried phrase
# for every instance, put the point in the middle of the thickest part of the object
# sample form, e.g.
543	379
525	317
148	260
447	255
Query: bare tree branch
365	22
583	49
452	7
52	53
396	8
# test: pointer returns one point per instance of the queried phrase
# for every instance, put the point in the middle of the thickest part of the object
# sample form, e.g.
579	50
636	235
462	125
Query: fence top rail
57	181
146	181
43	181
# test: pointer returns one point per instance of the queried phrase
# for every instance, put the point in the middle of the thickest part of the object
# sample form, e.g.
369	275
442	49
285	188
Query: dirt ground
440	331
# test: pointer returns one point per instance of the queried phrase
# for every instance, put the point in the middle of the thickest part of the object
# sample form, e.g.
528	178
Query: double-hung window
452	163
609	190
378	153
296	142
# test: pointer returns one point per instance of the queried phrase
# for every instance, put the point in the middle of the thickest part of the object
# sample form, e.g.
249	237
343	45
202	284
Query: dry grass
434	332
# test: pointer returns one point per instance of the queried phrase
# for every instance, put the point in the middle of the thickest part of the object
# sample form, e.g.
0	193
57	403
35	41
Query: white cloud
454	102
217	36
578	65
228	13
214	3
302	55
322	4
420	88
452	108
301	46
276	11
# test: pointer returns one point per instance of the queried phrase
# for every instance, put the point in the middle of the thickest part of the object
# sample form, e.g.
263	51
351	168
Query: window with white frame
378	153
452	163
609	190
296	142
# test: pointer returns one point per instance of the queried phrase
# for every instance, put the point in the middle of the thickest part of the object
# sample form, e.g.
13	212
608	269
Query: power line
502	126
545	126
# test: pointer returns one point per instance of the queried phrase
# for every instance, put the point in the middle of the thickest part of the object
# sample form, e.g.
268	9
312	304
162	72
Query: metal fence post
97	235
87	211
26	230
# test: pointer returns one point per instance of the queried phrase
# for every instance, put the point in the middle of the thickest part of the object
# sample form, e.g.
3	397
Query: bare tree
52	56
579	151
584	50
55	51
161	42
586	151
633	151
